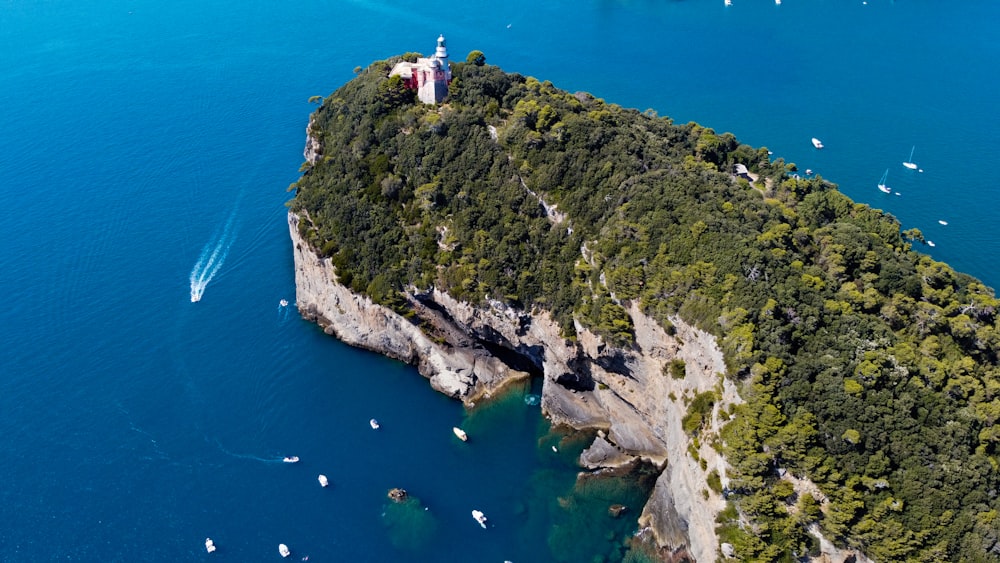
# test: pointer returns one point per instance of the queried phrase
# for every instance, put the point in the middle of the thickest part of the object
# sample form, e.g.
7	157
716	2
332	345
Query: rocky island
808	384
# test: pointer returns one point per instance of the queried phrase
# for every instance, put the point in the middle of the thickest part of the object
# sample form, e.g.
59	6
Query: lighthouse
429	76
441	54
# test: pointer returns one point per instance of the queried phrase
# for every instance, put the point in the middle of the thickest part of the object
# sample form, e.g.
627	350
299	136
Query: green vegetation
698	411
476	57
677	368
866	367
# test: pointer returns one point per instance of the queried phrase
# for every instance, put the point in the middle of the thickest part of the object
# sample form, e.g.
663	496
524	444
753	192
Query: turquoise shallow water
138	138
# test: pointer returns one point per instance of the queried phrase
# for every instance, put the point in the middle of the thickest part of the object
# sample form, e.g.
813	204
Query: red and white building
429	76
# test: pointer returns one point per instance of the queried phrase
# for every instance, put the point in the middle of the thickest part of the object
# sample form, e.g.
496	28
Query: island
809	384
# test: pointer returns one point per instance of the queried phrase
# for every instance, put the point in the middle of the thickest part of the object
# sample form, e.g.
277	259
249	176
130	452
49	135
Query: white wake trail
212	257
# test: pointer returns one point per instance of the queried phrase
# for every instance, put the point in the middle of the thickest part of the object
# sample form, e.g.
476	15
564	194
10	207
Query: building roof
403	69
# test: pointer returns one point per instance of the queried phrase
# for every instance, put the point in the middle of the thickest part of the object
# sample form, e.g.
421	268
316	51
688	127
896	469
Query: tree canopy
868	367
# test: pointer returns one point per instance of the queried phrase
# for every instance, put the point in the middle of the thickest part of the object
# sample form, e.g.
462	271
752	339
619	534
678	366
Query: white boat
480	517
809	171
817	143
930	243
460	434
283	302
291	459
283	550
945	223
209	545
323	481
374	424
909	162
729	2
882	185
778	2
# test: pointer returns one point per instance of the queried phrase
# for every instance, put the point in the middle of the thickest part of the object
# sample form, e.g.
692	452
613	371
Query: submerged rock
410	525
616	510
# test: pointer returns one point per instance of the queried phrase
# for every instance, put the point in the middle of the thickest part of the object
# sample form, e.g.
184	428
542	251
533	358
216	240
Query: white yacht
909	162
480	517
323	481
283	550
374	424
209	545
817	143
882	185
460	434
291	459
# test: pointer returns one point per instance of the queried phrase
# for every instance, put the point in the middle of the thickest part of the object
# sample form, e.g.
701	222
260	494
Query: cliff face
586	384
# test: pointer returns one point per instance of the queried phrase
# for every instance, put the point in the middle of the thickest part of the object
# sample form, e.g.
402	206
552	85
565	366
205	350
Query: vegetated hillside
867	367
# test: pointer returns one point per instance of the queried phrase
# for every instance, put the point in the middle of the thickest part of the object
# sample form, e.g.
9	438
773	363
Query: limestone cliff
587	384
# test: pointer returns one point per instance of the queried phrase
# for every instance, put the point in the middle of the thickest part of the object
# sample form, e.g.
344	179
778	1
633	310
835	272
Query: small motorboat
930	243
291	459
479	517
209	545
374	424
943	222
817	143
809	171
283	550
283	302
460	434
323	481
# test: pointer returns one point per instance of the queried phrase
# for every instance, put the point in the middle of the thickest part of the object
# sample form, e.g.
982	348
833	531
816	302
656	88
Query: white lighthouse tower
441	54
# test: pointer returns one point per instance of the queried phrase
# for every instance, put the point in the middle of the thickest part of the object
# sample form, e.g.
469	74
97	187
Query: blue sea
146	148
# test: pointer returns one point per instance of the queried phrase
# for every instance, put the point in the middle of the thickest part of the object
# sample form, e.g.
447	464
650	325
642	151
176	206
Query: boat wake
213	255
250	457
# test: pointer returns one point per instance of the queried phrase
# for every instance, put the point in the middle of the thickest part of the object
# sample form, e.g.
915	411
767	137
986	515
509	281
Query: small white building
429	76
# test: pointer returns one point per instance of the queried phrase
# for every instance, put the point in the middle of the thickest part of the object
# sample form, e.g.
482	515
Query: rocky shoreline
624	393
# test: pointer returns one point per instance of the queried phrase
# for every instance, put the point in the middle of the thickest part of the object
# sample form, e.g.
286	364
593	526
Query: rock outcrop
468	350
313	148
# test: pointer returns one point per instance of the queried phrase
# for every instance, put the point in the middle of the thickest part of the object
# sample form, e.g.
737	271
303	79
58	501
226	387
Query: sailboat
881	183
909	162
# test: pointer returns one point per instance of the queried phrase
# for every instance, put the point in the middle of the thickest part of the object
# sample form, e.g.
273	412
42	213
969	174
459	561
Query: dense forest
868	367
